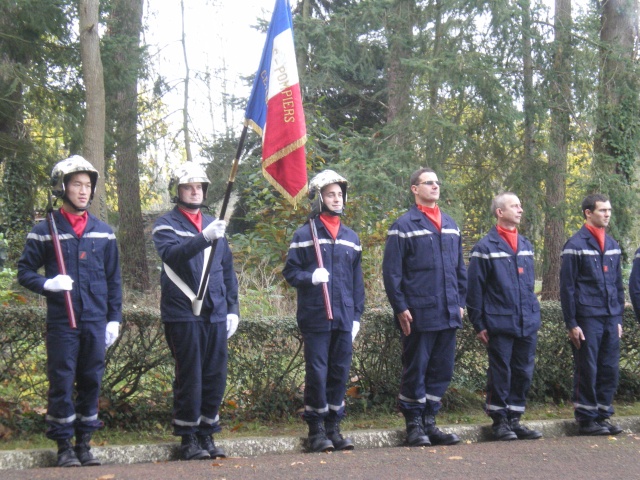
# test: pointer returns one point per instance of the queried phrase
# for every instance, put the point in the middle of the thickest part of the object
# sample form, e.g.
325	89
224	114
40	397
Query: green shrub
266	368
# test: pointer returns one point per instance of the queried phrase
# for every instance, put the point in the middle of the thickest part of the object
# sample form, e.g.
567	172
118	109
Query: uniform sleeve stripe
570	251
325	241
108	236
180	233
526	253
420	233
47	238
488	256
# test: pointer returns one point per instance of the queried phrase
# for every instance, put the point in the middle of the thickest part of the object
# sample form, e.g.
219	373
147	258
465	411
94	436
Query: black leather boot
522	432
83	451
318	441
612	427
437	436
415	432
66	454
206	443
502	430
191	449
332	425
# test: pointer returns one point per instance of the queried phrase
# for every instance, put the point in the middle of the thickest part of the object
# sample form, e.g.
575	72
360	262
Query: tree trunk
400	32
125	26
617	132
93	77
554	236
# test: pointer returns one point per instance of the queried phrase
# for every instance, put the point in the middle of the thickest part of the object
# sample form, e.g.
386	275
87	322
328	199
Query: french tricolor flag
275	111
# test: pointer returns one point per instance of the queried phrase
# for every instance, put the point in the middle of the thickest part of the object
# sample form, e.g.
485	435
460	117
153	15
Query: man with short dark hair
505	313
426	282
592	298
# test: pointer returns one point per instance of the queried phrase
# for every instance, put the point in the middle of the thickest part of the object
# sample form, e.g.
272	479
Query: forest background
493	95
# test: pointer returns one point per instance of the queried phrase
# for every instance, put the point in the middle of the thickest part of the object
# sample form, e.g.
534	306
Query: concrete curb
247	447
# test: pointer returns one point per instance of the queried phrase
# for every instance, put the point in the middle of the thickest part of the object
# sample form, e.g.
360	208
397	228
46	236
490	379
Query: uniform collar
500	242
591	240
417	216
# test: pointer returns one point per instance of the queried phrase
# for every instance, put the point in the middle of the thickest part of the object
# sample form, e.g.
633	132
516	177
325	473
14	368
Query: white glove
320	275
113	330
232	324
354	331
59	283
214	230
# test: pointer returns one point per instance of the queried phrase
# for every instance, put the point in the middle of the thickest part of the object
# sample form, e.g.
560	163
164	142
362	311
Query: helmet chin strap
78	209
335	213
193	206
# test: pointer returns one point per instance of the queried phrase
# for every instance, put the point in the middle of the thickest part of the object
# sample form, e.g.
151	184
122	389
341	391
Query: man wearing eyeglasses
426	282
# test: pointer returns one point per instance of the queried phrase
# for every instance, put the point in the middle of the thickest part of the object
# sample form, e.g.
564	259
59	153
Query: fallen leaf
455	458
107	477
216	464
297	463
322	462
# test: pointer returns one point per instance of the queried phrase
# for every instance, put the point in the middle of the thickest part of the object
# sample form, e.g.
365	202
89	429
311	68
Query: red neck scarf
598	233
331	223
509	236
432	214
195	218
77	222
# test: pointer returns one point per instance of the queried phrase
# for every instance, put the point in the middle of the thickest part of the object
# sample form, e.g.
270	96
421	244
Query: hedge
266	367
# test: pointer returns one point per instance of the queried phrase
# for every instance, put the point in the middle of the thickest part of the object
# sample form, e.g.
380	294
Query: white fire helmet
317	183
189	172
63	169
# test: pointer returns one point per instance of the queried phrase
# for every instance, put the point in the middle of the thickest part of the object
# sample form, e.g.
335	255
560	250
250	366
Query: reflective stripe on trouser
596	365
427	368
200	353
327	358
511	362
75	360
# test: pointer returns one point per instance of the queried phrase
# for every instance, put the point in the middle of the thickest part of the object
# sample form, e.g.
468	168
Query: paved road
566	458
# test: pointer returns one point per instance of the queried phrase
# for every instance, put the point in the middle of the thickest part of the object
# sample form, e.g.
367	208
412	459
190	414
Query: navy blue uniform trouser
427	368
75	359
327	358
595	375
200	353
511	362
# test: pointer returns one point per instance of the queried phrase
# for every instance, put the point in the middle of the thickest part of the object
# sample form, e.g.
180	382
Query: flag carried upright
275	111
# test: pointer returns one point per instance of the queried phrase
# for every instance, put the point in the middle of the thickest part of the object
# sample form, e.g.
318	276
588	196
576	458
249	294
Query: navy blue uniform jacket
92	262
342	259
500	295
590	280
423	270
182	248
634	284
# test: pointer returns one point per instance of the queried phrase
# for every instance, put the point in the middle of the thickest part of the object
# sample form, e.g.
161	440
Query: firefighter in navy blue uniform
327	344
592	298
196	334
505	313
425	280
75	357
634	284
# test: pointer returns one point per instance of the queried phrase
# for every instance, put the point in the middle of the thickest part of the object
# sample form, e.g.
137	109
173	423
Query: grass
296	427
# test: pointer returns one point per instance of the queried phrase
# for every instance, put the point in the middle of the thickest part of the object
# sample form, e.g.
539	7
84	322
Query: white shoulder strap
184	287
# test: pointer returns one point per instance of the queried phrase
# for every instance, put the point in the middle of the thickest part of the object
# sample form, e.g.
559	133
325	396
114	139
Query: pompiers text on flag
275	111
